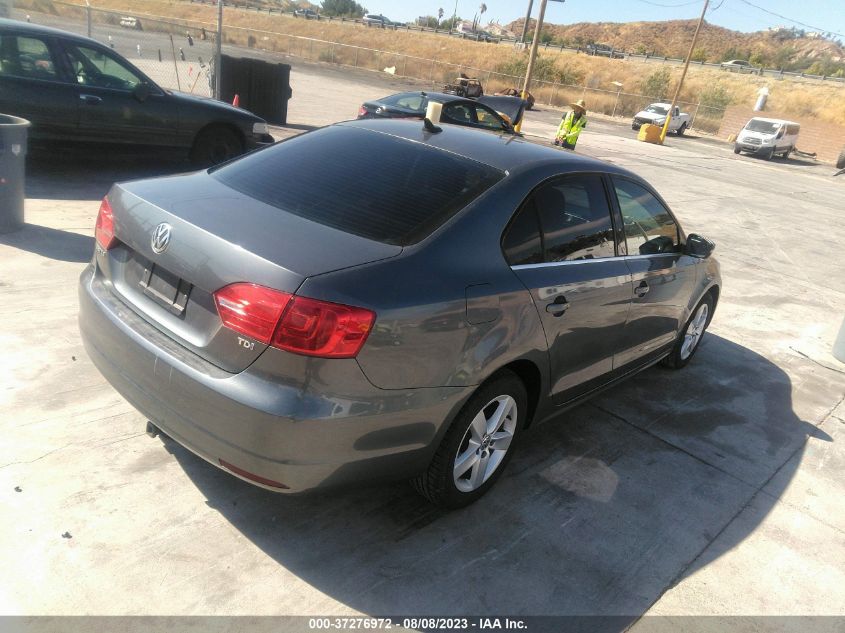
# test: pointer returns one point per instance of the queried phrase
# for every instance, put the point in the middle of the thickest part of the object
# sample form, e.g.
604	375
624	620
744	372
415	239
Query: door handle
642	289
558	306
90	99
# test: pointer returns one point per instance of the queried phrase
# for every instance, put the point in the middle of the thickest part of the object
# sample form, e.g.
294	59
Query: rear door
562	246
34	86
663	277
108	109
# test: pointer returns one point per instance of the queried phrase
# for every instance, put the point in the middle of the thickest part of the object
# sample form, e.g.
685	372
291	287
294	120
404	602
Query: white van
767	137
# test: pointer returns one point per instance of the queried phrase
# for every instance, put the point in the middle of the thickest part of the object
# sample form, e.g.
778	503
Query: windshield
656	109
373	185
764	127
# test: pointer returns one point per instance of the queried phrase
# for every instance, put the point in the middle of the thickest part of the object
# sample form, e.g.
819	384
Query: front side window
26	57
487	118
575	219
93	67
460	113
649	227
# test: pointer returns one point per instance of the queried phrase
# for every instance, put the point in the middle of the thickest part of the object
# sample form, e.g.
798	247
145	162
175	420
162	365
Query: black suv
77	91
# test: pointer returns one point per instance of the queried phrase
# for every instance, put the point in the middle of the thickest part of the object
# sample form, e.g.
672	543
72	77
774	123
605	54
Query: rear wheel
840	162
682	129
690	337
478	444
215	145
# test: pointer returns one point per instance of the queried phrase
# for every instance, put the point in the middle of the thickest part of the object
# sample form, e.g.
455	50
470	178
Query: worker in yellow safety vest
571	125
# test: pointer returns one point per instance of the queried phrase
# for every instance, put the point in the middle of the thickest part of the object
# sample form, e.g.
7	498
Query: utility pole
218	51
683	73
527	19
533	55
454	16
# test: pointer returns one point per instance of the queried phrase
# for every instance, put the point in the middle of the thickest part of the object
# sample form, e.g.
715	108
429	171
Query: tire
736	149
686	346
682	129
787	152
768	155
840	162
443	483
215	145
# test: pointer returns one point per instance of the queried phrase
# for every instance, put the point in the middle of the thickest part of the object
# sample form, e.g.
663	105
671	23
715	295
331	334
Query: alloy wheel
695	331
485	443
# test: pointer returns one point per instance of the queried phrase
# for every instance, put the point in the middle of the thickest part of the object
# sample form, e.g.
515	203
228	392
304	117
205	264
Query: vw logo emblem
161	237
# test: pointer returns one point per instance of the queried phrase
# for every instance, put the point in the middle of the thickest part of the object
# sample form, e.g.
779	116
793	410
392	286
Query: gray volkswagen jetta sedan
374	300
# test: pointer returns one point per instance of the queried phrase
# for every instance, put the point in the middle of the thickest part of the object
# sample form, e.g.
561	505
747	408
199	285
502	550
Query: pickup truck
656	115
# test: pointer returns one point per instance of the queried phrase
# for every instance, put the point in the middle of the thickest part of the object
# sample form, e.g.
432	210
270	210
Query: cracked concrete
717	490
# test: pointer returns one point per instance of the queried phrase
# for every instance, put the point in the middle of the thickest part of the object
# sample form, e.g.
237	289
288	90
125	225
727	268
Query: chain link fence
185	62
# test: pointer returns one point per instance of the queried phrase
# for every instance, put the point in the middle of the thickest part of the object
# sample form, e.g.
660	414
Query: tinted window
649	228
374	185
460	113
487	118
409	100
26	57
575	219
522	241
94	67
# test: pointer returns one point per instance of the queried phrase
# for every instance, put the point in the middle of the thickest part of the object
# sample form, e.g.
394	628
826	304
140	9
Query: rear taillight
294	324
320	328
362	111
104	229
251	310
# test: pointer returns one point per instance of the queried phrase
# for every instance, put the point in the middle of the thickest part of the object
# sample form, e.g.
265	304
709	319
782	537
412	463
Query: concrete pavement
716	490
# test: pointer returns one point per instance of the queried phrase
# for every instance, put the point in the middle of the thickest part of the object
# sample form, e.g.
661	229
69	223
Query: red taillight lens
104	229
362	111
320	328
294	324
250	309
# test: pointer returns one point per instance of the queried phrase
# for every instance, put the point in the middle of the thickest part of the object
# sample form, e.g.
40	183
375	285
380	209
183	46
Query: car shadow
77	175
598	513
65	246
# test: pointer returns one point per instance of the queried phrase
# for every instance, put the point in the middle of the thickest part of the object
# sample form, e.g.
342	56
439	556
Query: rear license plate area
165	289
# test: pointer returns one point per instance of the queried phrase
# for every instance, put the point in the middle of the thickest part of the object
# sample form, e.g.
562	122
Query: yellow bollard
649	133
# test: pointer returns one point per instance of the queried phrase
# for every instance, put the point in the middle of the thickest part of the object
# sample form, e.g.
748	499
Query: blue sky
734	14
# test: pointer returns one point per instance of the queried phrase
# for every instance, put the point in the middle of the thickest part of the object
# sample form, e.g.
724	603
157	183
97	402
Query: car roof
37	29
760	118
505	152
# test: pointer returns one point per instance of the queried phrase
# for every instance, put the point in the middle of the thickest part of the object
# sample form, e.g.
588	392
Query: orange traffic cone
237	101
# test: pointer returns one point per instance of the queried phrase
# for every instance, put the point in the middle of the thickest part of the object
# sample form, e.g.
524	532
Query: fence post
332	52
431	74
404	65
553	93
694	114
356	56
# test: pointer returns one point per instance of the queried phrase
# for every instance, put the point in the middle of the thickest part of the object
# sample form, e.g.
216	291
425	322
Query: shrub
657	84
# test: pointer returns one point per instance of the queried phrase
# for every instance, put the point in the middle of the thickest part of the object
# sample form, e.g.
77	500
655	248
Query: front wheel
215	145
736	149
478	444
688	342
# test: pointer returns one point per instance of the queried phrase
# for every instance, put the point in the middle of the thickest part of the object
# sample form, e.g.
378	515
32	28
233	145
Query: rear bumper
332	428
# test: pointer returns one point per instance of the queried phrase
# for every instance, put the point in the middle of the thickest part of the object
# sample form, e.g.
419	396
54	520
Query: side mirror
698	246
141	92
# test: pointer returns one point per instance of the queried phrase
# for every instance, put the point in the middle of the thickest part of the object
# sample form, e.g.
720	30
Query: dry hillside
671	38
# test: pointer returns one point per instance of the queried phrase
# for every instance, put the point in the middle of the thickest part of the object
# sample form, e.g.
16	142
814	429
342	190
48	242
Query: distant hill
784	48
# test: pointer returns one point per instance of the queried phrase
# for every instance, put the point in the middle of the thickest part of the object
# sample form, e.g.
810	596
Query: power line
783	17
670	6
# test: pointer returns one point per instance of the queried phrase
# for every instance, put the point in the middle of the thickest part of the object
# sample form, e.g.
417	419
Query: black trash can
13	133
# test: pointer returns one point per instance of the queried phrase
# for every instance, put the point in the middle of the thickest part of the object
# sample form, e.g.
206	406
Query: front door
109	110
663	277
562	246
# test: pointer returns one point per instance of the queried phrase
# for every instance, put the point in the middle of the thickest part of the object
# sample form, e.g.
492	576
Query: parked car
484	112
391	302
655	114
374	19
76	91
767	137
515	92
307	13
464	87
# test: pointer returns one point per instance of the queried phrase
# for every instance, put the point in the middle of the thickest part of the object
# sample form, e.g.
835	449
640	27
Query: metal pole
533	54
175	65
454	16
527	18
88	16
218	50
683	73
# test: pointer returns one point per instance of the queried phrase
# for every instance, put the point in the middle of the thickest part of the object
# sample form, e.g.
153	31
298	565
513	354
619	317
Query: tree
439	15
428	21
481	9
342	8
699	55
656	85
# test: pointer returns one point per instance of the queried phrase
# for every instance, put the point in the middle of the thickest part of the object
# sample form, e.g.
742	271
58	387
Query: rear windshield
374	185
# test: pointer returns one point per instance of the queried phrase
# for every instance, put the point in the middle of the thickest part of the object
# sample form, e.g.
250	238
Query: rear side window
26	57
369	184
575	219
410	101
649	227
522	244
